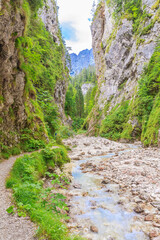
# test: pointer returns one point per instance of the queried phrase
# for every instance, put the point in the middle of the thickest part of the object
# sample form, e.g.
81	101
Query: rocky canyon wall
12	78
123	45
21	117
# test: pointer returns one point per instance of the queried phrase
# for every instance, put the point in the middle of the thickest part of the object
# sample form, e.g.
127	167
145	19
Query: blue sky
74	20
68	32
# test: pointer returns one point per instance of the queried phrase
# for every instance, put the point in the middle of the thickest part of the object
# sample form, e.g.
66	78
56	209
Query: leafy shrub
29	143
65	132
36	4
6	151
57	155
50	111
77	123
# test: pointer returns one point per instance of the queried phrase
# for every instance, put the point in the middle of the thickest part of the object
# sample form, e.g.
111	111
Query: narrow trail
12	227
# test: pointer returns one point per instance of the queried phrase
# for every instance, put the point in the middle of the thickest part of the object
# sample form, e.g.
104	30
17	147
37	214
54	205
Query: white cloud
77	12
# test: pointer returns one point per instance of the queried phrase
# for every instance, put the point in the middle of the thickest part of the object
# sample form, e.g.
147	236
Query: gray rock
85	87
119	60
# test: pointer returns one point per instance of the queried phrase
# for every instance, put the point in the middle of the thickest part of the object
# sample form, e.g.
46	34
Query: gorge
80	154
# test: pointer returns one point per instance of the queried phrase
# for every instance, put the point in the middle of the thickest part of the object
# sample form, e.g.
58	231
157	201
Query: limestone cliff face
12	79
50	19
121	54
13	99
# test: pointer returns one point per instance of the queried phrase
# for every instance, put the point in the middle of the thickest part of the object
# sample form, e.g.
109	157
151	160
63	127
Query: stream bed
96	211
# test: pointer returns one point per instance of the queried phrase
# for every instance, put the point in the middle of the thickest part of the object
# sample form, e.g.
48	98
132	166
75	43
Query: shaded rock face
12	79
119	59
81	61
49	17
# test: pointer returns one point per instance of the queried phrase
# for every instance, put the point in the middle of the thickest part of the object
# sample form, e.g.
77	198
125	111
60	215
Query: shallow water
101	209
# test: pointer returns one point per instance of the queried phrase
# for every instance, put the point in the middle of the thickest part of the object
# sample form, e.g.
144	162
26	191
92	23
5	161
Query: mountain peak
81	61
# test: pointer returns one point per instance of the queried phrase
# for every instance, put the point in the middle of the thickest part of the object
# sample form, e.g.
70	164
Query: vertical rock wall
12	79
120	55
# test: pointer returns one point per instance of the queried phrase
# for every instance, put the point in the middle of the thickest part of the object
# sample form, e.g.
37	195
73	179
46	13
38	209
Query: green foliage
1	99
127	131
148	99
79	99
65	132
57	155
111	38
87	75
81	131
76	105
113	125
97	9
90	100
147	29
155	5
10	210
29	141
144	107
43	207
70	104
50	111
140	41
7	151
41	56
36	4
132	8
77	123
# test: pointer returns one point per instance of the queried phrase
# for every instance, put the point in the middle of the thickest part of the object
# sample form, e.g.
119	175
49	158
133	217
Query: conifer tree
79	103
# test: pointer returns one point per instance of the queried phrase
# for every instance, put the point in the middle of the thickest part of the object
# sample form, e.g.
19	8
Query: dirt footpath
12	227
